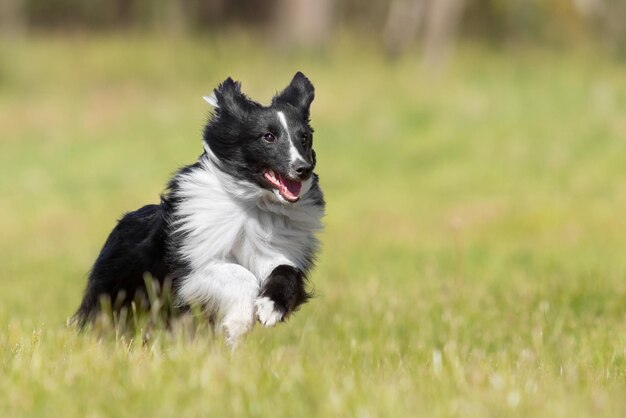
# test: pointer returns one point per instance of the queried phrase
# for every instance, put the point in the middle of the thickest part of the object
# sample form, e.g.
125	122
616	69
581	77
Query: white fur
229	291
294	155
211	99
236	233
267	314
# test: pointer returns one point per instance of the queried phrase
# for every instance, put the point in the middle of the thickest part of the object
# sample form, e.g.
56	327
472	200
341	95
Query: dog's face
270	146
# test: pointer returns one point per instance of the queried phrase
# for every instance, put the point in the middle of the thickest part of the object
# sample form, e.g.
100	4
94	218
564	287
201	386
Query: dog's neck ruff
239	190
220	217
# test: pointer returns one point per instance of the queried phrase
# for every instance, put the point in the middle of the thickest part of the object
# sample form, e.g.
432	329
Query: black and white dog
235	231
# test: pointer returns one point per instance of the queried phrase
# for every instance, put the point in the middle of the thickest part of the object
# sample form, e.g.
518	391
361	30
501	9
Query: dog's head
270	146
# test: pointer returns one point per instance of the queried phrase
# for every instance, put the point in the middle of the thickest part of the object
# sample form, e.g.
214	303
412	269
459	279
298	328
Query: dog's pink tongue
293	186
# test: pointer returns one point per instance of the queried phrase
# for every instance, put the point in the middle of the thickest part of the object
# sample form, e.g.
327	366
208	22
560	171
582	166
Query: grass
473	260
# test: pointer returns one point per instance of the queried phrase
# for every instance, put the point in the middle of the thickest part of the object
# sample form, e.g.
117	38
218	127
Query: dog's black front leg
283	292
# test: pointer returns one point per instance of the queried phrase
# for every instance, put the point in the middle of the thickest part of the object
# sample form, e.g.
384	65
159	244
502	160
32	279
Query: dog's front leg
282	293
228	291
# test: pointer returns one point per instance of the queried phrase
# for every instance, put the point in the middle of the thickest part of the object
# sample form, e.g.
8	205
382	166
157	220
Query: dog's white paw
266	312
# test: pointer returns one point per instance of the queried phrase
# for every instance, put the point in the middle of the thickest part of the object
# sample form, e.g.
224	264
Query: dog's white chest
254	232
269	240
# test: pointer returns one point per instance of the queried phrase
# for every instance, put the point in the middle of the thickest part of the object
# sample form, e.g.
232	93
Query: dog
235	232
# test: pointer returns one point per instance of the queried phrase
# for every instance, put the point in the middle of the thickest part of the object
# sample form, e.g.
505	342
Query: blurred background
395	25
453	135
472	156
457	138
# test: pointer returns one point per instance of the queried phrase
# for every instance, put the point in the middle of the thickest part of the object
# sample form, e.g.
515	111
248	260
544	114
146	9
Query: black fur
135	248
286	287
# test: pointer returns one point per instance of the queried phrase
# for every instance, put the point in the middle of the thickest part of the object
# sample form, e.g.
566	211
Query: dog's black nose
303	169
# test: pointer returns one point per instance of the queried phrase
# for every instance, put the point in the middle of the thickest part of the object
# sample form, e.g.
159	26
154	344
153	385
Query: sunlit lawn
474	260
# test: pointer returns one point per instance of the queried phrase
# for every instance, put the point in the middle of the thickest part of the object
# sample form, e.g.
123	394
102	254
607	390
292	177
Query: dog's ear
299	93
227	97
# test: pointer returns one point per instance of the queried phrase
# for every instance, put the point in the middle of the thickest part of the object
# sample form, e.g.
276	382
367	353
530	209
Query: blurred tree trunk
613	20
442	24
208	13
305	23
436	22
123	12
12	18
175	15
610	16
404	22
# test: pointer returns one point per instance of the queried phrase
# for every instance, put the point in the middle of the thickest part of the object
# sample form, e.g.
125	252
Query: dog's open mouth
288	189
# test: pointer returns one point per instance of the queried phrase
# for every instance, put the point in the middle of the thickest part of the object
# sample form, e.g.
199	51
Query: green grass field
474	260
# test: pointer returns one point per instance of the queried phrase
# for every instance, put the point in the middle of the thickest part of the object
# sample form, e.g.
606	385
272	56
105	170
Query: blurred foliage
493	20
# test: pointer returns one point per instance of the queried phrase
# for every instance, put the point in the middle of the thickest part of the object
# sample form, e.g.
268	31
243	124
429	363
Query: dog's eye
269	137
305	138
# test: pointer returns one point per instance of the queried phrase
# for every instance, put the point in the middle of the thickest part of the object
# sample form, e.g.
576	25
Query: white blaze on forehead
293	152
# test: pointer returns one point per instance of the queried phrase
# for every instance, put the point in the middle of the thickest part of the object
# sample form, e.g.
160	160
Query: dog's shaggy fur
235	231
